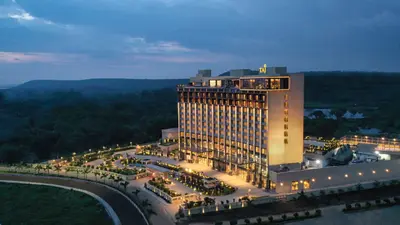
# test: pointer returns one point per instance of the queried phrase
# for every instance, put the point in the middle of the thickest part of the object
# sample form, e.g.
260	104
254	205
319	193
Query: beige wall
279	152
337	175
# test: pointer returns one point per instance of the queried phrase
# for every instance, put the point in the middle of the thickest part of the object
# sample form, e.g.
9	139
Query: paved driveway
126	212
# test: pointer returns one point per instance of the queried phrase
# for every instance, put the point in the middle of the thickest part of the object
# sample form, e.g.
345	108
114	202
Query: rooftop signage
263	69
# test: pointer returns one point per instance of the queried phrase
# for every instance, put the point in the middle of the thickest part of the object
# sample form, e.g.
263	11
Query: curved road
127	213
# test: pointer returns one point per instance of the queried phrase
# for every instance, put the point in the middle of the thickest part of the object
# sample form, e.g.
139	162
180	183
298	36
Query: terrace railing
386	144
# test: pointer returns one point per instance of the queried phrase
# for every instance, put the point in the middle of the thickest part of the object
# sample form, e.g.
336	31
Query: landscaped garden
44	205
161	183
371	205
303	202
198	181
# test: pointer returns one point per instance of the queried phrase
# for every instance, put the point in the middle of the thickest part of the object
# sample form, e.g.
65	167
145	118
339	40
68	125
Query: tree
96	173
38	168
104	176
86	171
136	192
48	167
124	184
57	168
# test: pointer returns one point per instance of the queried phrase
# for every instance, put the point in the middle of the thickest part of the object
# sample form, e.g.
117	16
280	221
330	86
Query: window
306	184
286	141
286	126
285	134
295	185
286	97
286	119
286	104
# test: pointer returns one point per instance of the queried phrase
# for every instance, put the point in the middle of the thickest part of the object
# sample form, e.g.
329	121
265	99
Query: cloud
38	57
15	12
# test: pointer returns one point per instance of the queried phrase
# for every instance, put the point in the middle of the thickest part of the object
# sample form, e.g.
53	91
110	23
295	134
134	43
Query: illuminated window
306	184
286	112
286	104
286	97
295	185
219	83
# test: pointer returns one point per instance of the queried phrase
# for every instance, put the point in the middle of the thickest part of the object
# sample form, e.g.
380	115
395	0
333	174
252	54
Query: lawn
43	205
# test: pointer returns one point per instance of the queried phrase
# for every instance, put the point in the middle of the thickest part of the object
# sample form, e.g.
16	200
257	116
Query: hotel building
245	124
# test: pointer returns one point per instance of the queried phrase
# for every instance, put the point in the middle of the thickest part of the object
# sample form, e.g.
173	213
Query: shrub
233	222
348	206
357	205
307	213
378	201
284	216
296	215
259	220
387	201
367	204
247	221
396	199
318	212
271	218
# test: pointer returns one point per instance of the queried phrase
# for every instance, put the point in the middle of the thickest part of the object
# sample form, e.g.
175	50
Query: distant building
243	124
170	133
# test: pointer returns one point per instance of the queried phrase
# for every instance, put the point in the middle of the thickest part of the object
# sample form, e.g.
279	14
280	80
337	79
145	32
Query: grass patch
45	205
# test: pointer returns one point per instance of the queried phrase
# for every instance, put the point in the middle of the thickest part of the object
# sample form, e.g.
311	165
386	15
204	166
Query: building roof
175	129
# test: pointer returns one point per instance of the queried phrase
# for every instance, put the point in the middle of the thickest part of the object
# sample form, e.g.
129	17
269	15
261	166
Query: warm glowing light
313	180
301	181
373	171
281	184
383	138
366	137
360	174
318	161
387	170
346	175
329	178
355	136
377	152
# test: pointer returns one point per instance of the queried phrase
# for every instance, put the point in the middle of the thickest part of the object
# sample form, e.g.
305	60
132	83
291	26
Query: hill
92	86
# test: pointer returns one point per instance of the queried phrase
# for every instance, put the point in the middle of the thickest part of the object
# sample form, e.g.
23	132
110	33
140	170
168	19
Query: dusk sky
80	39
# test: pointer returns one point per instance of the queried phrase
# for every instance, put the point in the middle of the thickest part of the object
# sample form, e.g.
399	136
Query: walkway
126	212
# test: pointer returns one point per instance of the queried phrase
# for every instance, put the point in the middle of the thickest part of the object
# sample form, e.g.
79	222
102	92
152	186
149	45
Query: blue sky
79	39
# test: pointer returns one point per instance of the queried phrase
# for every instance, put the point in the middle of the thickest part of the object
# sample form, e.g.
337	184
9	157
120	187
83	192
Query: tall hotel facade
243	124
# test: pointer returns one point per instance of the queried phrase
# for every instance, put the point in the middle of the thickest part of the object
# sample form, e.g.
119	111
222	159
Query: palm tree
38	167
86	171
117	180
48	167
68	169
96	173
136	192
124	184
57	168
104	176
